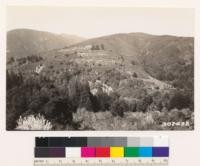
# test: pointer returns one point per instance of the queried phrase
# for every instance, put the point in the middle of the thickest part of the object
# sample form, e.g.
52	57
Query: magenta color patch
87	152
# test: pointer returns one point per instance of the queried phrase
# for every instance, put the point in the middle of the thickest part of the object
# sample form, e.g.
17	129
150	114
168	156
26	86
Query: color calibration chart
101	151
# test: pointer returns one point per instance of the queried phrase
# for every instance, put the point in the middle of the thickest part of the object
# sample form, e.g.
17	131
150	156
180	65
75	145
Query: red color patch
102	152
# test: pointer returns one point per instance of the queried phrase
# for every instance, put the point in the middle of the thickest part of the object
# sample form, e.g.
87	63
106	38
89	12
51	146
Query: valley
135	80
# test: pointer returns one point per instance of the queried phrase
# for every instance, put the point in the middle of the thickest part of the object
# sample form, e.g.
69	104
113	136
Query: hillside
26	42
136	79
162	57
146	49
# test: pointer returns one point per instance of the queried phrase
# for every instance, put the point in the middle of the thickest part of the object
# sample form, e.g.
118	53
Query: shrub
131	120
179	101
17	104
147	100
132	106
13	79
143	104
104	101
51	67
118	108
160	100
133	62
32	122
141	107
135	75
37	103
58	110
10	60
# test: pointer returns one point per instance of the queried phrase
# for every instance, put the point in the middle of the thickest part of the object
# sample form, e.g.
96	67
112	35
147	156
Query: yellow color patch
116	151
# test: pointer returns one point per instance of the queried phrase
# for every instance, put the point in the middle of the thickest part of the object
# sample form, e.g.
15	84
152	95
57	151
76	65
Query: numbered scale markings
102	162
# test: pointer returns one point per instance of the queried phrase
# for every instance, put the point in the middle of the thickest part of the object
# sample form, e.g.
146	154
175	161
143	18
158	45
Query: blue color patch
145	151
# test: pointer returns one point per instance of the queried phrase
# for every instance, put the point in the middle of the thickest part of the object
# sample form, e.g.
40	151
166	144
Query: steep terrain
134	55
162	57
144	47
122	78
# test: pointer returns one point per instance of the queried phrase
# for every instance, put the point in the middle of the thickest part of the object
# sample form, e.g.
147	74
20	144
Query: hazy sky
97	21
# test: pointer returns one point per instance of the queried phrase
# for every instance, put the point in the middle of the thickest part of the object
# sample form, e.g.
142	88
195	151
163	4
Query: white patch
39	69
98	84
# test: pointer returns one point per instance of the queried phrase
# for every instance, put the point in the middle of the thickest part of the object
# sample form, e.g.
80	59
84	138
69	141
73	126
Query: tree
179	100
102	46
97	47
118	107
79	93
93	47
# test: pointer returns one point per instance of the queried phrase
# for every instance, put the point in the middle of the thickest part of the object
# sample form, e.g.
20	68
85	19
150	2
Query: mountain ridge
26	42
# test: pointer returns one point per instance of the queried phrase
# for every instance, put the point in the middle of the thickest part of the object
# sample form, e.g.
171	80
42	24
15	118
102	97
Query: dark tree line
23	60
98	47
57	100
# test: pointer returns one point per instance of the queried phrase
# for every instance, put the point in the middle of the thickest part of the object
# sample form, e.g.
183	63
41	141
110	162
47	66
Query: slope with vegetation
130	81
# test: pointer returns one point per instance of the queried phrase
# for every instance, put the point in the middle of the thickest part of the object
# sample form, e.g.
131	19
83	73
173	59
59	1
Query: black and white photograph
99	68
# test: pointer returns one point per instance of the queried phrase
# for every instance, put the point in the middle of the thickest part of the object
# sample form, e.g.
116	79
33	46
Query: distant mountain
139	46
25	42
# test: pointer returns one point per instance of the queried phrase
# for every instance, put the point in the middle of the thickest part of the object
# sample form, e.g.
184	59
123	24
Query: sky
91	22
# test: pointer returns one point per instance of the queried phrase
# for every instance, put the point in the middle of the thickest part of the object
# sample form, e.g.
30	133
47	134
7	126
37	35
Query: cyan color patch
145	151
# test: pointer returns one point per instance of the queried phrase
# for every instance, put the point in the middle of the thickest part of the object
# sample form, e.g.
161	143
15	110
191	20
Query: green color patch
131	151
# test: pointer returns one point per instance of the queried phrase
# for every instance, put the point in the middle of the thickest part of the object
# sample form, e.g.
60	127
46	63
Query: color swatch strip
113	152
90	147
